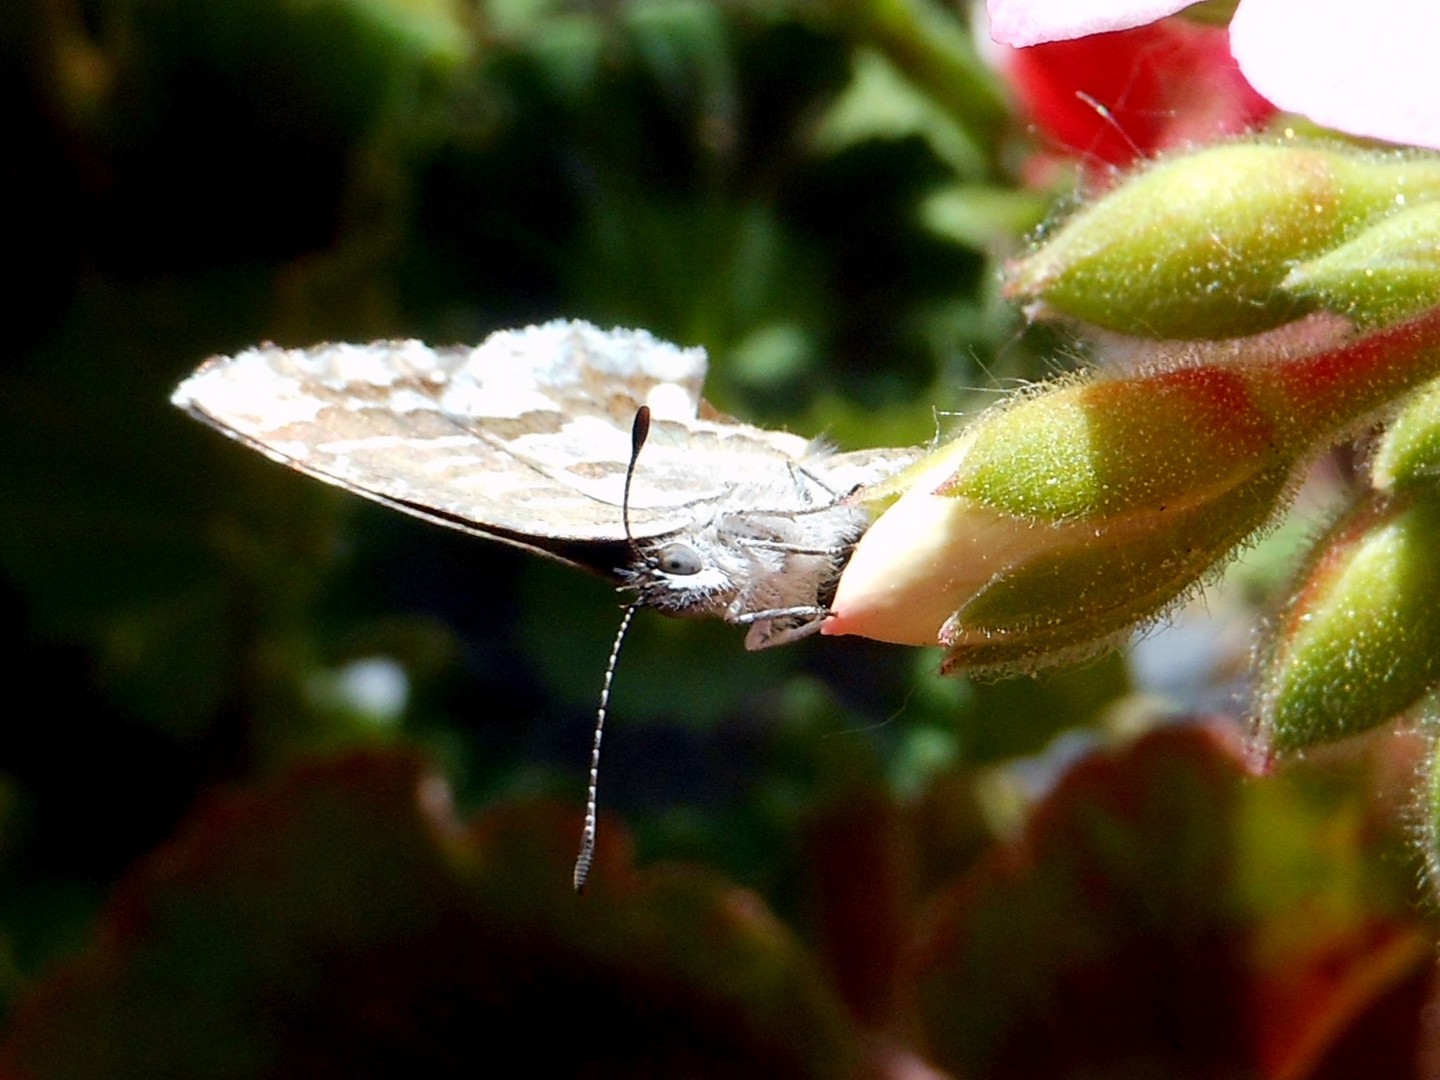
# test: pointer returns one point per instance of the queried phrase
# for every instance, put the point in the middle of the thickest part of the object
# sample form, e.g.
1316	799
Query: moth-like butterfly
528	439
589	446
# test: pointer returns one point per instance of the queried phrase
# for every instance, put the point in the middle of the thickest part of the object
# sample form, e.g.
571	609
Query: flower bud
1062	520
1409	451
1196	247
1388	272
1360	640
1058	523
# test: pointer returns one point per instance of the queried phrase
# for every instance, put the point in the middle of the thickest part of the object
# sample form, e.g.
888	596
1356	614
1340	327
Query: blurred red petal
1130	94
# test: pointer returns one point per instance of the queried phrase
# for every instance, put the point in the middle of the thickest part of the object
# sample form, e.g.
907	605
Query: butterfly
530	438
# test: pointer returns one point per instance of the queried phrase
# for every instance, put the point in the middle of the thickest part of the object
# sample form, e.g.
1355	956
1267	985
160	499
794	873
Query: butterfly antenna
639	432
587	837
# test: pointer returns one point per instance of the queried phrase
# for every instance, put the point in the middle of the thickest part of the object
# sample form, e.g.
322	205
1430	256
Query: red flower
1133	93
1365	69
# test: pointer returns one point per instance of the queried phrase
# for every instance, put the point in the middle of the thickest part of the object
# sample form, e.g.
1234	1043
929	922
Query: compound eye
677	559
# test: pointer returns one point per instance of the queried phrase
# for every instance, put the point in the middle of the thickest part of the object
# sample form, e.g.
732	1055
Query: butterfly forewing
527	434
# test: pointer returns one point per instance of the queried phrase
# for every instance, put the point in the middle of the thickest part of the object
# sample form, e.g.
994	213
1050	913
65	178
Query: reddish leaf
338	922
1164	915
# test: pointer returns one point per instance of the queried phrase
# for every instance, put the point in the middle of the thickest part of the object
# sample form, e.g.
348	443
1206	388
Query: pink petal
1364	68
1030	22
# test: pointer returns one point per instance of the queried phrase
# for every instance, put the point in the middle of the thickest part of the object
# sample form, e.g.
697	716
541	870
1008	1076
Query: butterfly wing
845	472
524	438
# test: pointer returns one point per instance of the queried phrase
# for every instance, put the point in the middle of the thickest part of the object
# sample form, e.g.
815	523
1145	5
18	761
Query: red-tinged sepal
1069	516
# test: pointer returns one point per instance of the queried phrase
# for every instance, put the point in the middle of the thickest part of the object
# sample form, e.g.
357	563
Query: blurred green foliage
814	192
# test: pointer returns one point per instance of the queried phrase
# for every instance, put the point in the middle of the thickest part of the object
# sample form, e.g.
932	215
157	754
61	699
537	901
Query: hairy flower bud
1198	246
1387	272
1408	454
1360	641
1062	520
1009	547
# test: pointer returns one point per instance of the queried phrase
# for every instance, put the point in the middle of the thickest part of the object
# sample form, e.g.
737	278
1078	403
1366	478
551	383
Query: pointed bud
1409	452
1059	522
1009	547
1360	642
1197	246
1388	272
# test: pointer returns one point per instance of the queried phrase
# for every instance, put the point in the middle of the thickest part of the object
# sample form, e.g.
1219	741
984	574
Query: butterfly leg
804	611
765	634
835	552
805	483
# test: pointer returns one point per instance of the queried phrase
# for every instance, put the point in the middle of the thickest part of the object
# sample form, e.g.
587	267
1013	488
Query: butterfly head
680	577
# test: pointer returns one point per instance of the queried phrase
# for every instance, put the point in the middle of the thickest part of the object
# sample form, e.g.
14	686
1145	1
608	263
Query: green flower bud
1062	520
1070	603
1360	641
1388	272
1196	247
1409	451
1059	523
1119	446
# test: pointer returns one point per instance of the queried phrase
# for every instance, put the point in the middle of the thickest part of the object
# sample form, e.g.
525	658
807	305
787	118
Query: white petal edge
1366	69
1033	22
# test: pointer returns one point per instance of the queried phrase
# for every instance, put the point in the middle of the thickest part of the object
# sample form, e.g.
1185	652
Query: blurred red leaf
339	922
1166	915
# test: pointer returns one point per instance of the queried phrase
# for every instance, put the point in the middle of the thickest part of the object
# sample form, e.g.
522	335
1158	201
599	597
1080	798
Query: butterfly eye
677	559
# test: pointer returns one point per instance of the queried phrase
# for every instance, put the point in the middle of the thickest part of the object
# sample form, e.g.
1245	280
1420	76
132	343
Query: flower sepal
1060	521
1199	246
1408	454
1359	643
1388	272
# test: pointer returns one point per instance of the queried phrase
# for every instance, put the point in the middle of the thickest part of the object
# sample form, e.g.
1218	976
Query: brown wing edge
605	558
